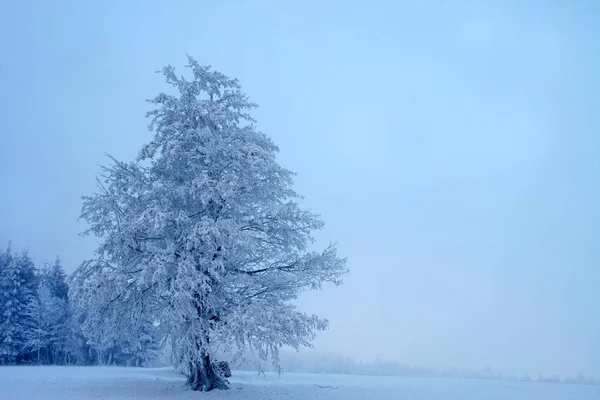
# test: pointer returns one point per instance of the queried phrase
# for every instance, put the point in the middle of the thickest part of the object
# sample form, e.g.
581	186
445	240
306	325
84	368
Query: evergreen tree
54	323
18	305
39	333
55	279
53	316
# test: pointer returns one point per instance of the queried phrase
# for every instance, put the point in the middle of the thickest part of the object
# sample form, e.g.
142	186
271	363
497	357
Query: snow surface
65	383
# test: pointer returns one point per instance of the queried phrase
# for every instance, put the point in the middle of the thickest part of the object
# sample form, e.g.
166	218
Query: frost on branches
17	305
202	236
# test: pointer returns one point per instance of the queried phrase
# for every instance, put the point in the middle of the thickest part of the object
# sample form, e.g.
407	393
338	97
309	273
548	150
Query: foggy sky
451	147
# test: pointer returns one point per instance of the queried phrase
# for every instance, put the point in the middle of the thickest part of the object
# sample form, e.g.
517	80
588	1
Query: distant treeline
40	325
314	362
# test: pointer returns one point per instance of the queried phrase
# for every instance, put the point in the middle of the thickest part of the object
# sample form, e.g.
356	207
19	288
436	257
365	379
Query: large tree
203	235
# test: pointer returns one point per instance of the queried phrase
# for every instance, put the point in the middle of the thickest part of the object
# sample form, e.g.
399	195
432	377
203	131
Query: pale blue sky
452	148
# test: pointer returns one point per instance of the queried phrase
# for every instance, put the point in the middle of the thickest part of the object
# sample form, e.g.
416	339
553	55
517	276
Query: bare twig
325	387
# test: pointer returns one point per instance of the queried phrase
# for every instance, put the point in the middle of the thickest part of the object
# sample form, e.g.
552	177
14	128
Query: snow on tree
17	304
77	348
52	323
203	234
139	348
39	336
55	279
52	315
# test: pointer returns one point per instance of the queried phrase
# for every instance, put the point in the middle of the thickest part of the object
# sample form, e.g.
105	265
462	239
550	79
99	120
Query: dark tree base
204	378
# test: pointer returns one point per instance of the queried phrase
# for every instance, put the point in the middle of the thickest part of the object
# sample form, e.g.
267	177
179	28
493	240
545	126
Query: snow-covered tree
39	336
53	320
48	336
203	234
54	278
139	347
17	304
77	348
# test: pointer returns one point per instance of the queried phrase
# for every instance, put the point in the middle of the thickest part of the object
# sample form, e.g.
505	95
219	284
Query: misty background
451	147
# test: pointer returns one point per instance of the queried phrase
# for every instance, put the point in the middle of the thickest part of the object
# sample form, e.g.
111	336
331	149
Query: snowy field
66	383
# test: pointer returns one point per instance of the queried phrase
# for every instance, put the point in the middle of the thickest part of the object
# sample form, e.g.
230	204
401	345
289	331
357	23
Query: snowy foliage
17	304
54	278
52	315
52	334
38	323
202	234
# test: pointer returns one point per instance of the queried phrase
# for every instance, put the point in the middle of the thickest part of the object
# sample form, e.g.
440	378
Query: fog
451	148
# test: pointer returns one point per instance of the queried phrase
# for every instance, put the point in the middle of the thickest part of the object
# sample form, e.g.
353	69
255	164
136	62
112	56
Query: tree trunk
203	376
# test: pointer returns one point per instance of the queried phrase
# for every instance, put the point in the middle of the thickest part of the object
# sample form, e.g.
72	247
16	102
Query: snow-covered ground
66	383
